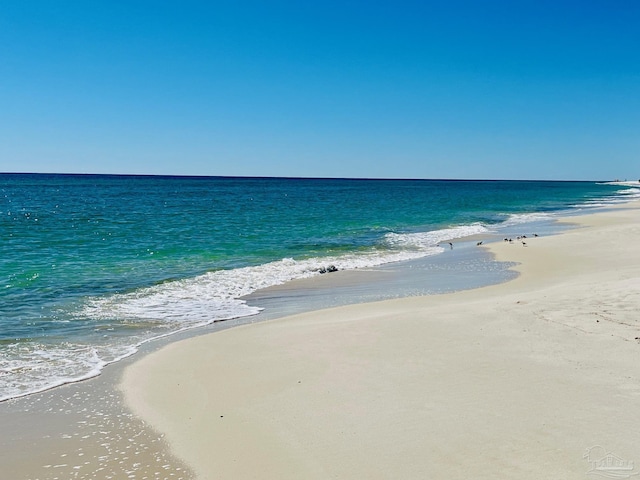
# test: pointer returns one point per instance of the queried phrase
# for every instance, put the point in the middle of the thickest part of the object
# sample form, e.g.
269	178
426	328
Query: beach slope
535	378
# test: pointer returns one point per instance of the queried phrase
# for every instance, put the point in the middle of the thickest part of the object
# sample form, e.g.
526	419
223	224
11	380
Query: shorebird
479	243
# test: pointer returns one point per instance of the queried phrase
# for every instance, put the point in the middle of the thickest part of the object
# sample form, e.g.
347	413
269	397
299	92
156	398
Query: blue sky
513	89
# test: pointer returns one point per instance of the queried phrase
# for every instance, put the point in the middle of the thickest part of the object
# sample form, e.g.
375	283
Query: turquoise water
93	266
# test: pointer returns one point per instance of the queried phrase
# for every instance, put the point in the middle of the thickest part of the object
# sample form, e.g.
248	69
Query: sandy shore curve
535	378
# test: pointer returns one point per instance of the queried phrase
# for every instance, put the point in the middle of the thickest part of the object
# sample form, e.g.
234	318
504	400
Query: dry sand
517	380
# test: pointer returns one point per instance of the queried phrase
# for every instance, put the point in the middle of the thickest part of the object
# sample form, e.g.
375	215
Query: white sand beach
535	378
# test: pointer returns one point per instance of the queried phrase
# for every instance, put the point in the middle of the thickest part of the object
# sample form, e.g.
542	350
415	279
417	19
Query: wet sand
82	431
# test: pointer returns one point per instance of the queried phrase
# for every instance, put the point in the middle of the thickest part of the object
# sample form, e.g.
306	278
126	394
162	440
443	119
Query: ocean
94	266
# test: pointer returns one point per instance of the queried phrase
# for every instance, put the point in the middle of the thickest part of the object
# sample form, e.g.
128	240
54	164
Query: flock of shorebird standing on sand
519	239
510	240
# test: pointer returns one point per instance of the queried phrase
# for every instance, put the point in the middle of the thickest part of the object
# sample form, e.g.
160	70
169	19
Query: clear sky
515	89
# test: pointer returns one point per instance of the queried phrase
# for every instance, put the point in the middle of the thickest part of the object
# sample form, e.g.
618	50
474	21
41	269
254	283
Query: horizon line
160	175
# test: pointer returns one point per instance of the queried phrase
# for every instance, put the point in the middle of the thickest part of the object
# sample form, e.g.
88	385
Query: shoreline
520	378
369	289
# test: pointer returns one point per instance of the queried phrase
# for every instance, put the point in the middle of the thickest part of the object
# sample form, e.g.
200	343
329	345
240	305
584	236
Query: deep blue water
91	266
